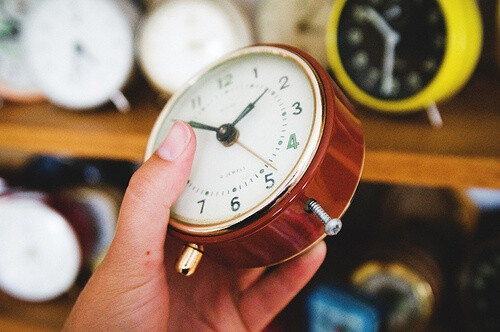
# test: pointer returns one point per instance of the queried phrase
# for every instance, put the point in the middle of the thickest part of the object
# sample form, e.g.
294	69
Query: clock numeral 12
225	81
292	142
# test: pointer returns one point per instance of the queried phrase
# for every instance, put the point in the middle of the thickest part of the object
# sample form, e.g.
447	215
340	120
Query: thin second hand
256	155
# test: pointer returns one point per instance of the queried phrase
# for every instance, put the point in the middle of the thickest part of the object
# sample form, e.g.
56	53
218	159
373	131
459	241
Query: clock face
391	49
258	120
34	266
81	51
299	23
182	36
13	71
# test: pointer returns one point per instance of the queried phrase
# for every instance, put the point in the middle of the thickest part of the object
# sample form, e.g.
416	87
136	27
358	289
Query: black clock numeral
196	102
225	81
269	180
284	82
297	107
292	142
202	202
235	204
256	74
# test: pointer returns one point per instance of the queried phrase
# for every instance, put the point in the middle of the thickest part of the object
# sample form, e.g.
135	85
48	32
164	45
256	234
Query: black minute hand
249	107
202	126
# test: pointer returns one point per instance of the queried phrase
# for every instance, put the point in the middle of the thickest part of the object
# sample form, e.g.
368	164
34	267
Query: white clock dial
301	23
182	36
273	103
40	254
81	51
16	82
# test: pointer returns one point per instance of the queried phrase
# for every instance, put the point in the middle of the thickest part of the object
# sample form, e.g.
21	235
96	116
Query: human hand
136	286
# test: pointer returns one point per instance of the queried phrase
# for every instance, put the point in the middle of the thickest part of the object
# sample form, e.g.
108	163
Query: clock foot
332	225
120	101
189	259
434	116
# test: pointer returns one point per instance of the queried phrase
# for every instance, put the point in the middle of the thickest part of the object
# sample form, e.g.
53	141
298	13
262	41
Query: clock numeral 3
296	106
235	205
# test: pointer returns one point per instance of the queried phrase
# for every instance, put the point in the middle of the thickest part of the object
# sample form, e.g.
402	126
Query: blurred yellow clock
403	56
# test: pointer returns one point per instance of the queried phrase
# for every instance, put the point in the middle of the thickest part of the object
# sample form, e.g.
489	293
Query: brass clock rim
420	287
297	172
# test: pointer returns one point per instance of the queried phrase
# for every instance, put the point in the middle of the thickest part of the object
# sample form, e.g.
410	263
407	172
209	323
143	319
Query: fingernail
176	141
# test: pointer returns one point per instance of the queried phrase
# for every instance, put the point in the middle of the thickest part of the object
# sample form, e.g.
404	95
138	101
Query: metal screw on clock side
332	225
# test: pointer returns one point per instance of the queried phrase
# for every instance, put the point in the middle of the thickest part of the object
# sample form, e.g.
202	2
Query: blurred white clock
16	83
301	23
180	37
80	51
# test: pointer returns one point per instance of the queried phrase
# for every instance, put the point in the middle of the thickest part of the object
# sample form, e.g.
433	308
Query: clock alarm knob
189	259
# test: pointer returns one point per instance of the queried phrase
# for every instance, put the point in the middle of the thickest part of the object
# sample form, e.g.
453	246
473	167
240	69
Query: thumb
145	210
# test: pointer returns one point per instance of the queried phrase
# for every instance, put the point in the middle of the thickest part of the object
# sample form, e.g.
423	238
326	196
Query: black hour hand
198	125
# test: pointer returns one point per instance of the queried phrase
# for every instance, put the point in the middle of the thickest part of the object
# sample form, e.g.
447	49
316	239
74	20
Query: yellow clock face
403	56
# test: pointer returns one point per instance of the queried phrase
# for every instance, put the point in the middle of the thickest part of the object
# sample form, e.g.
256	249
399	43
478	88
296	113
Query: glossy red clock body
285	229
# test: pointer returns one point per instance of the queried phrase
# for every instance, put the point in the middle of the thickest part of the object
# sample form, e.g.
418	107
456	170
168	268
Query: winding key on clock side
332	225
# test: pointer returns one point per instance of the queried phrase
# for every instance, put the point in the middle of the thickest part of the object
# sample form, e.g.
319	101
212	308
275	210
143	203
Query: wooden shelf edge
18	325
431	170
60	141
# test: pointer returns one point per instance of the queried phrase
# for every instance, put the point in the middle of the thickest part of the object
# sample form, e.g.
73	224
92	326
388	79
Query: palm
221	298
213	300
136	287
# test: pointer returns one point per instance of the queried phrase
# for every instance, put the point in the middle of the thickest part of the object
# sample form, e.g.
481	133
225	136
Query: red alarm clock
279	156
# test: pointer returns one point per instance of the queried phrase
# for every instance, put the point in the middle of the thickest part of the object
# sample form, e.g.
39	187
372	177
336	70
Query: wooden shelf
400	149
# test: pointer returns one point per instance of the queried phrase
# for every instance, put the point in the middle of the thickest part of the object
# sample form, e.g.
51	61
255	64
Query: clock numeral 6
269	180
225	81
235	205
202	202
292	142
297	107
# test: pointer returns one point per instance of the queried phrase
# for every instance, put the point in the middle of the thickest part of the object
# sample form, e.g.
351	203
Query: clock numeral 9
296	106
284	82
269	180
202	202
235	205
225	81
